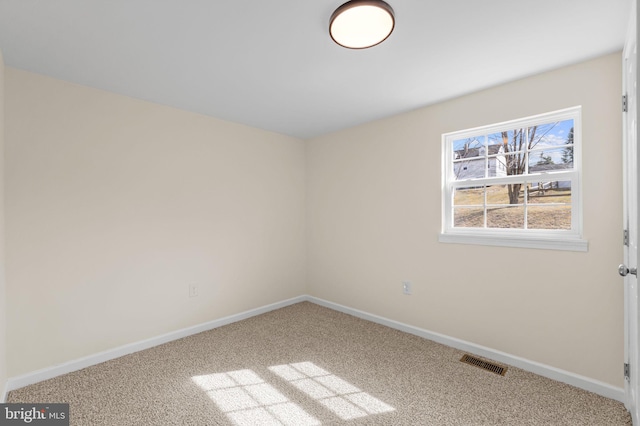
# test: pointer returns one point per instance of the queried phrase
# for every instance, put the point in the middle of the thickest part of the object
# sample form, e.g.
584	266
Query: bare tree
516	147
516	158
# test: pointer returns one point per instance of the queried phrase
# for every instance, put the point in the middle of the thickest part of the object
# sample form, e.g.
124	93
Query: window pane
468	217
504	206
551	159
506	217
549	192
551	135
469	196
468	148
515	163
469	158
549	217
499	194
469	168
497	163
472	214
495	139
513	140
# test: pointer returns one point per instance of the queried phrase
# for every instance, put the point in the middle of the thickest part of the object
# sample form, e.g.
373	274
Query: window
515	183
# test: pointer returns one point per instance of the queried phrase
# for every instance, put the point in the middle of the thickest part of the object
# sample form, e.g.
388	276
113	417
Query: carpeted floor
309	365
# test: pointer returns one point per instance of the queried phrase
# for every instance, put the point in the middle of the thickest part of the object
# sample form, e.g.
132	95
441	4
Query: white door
630	195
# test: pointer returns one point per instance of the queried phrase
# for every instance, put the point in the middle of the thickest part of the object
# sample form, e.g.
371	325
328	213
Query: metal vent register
485	365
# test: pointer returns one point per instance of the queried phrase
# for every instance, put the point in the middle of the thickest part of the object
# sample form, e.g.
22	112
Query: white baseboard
548	371
80	363
576	380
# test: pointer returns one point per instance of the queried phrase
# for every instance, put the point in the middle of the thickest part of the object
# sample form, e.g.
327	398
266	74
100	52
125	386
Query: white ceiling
271	63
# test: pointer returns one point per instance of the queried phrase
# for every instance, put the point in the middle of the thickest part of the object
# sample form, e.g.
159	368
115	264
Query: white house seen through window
515	183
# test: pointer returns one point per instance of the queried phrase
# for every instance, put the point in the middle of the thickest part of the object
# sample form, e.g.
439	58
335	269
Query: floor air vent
494	368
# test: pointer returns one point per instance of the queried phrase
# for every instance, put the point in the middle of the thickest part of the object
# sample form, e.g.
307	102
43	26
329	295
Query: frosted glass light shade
359	24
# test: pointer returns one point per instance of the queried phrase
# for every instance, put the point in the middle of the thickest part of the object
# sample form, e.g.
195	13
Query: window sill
545	243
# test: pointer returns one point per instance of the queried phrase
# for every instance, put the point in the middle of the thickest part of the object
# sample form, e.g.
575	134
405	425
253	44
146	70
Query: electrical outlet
193	290
406	287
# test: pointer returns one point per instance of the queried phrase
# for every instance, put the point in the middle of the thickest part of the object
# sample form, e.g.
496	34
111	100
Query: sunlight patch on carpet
339	396
248	400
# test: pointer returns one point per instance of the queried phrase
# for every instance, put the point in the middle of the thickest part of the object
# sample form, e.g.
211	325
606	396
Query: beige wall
3	316
374	214
114	206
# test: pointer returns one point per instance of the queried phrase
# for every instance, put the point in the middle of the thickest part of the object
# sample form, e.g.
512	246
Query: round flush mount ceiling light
359	24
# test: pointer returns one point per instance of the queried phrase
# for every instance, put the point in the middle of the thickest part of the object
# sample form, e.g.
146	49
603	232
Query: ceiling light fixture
359	24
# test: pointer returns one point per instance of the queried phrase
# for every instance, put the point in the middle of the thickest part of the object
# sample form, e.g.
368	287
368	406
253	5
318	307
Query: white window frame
527	238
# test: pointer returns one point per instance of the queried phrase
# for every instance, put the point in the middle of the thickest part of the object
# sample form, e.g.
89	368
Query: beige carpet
309	365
